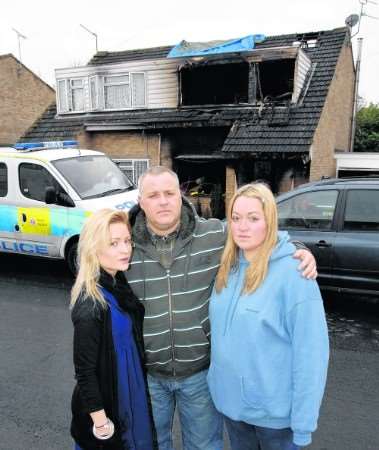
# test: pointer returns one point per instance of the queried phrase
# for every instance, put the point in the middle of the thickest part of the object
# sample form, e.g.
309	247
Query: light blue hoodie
270	348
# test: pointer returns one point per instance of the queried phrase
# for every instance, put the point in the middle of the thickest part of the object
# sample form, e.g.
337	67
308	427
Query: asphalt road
36	374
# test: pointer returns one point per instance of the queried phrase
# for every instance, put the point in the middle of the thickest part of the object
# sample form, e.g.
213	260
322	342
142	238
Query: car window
309	210
3	180
34	179
362	210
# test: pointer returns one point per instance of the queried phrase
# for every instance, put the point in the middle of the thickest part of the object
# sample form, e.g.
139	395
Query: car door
355	263
309	217
38	222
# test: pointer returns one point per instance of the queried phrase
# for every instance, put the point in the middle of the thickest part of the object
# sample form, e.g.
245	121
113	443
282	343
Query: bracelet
109	425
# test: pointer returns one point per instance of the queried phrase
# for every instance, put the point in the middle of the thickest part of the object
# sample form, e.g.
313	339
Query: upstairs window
93	91
124	91
117	92
276	78
96	92
71	95
215	84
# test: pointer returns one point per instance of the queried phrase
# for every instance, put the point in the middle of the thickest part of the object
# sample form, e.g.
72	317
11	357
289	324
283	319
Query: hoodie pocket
260	405
224	387
254	403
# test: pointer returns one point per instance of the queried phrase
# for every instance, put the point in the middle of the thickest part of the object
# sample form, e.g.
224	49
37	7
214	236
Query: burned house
275	111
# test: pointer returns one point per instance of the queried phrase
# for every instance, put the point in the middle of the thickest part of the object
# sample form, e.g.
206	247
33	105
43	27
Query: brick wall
124	145
230	185
333	131
23	98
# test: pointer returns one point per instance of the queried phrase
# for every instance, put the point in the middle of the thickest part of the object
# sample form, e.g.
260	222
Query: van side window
3	180
310	210
362	210
34	179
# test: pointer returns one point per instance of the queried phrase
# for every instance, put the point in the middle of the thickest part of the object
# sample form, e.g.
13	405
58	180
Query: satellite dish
352	20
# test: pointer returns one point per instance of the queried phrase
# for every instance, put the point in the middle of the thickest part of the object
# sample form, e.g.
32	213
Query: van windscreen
93	176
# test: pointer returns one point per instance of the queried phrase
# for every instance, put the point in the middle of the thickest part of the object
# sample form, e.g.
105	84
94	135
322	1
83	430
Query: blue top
133	408
270	348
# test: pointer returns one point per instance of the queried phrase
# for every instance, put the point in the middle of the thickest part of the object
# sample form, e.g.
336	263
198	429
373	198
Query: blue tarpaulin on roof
185	49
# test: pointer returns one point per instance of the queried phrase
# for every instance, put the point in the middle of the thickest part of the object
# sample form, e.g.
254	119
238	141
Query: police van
46	192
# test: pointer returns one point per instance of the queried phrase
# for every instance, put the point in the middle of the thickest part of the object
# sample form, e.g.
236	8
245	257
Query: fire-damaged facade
275	112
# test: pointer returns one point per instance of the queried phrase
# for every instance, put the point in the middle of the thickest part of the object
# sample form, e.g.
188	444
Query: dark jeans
244	436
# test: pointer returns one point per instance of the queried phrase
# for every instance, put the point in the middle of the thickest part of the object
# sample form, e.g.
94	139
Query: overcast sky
56	40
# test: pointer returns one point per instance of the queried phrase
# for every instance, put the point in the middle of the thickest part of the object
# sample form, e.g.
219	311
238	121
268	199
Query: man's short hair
156	170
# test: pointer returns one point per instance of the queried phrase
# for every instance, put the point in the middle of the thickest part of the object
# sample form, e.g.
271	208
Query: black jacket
95	361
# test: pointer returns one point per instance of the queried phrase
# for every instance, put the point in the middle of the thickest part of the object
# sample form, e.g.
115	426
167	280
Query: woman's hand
103	427
308	265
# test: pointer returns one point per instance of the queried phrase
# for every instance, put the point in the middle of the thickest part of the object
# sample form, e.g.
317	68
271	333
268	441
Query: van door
40	227
8	212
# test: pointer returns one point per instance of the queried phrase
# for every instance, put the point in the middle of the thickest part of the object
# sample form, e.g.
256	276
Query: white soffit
357	161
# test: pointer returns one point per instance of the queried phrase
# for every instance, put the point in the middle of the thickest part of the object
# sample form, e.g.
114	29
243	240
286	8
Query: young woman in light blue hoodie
269	344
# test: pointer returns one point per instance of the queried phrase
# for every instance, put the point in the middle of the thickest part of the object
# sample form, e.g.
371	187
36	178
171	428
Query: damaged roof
296	133
253	129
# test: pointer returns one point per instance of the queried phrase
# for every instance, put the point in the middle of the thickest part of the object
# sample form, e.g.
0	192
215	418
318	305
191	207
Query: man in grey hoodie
174	264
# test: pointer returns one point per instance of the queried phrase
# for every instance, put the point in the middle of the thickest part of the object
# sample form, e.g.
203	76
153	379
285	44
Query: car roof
341	181
52	154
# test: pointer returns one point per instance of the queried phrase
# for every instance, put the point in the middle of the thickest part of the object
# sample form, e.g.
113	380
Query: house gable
24	97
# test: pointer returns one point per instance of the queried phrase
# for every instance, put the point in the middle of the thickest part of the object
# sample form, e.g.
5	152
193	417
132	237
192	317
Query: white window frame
130	164
72	89
130	75
69	88
104	85
63	108
94	98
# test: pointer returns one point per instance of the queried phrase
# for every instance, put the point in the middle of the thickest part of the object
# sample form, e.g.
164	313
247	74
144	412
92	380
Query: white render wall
161	79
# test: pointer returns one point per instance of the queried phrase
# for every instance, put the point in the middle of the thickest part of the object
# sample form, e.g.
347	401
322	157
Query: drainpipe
356	97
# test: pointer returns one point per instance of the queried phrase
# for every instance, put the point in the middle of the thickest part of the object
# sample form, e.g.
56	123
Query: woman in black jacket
110	406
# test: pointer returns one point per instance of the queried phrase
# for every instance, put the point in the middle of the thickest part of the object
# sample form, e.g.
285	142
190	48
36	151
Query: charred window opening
215	84
276	78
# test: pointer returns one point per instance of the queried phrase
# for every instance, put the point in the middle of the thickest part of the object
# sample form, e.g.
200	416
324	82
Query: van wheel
71	258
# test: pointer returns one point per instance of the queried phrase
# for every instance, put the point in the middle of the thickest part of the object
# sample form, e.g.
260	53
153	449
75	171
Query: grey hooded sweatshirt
176	295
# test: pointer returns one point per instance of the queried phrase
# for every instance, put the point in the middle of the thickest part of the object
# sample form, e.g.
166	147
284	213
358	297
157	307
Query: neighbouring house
357	164
23	98
277	111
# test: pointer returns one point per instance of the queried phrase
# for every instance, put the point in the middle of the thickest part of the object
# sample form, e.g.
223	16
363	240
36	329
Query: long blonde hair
257	270
94	235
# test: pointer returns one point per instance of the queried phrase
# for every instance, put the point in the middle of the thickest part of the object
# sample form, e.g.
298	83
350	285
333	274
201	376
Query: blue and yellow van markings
24	247
8	218
42	221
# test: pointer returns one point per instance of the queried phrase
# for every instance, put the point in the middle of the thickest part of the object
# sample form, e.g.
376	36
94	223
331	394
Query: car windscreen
93	176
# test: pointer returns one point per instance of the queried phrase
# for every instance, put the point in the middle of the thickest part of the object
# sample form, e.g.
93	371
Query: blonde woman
269	336
109	405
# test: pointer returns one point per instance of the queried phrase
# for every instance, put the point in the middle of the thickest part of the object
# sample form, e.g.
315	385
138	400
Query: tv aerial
355	19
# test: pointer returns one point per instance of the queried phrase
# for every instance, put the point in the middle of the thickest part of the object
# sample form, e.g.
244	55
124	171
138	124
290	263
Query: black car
338	219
